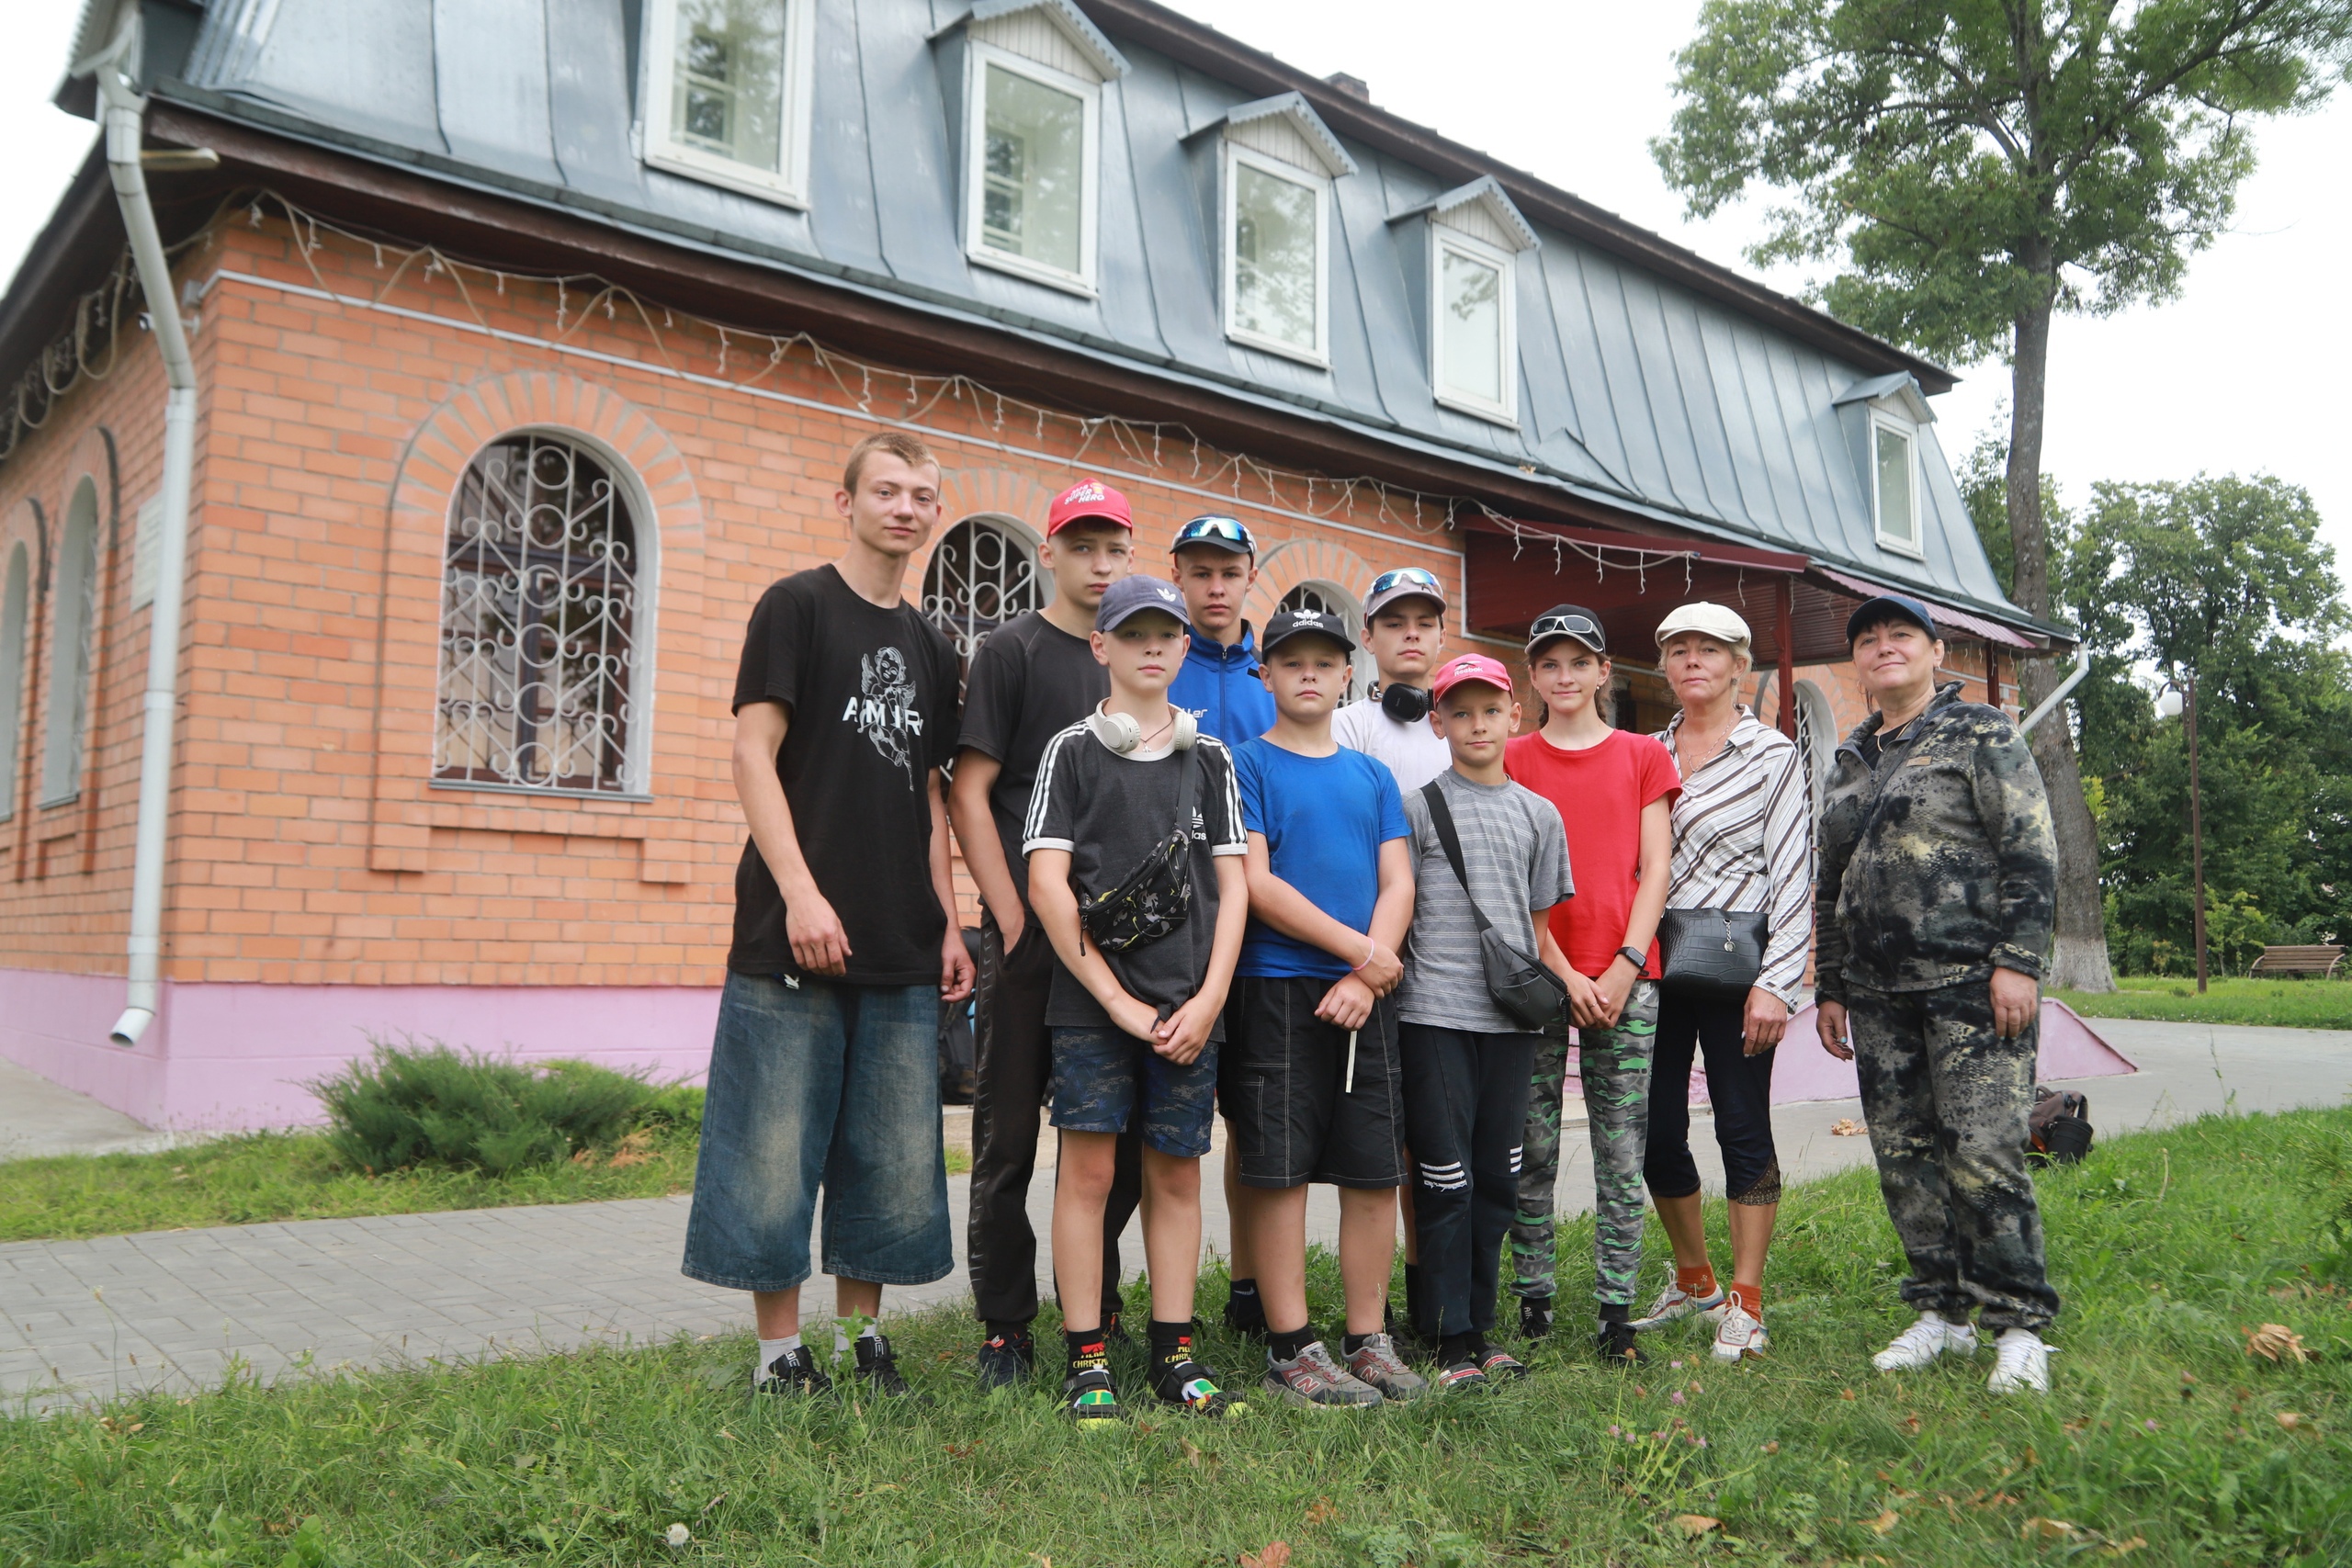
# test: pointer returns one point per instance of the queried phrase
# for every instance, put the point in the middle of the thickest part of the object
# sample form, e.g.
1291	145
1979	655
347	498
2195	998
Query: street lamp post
2181	701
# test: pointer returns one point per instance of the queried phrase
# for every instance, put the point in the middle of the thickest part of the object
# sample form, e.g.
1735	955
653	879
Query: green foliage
2327	1177
2163	1245
1973	162
411	1105
2227	579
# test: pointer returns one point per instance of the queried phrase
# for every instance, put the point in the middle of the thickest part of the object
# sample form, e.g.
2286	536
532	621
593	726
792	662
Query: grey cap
1130	594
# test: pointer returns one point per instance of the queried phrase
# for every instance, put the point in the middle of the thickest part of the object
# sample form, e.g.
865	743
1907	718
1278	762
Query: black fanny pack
1529	994
1717	952
1156	898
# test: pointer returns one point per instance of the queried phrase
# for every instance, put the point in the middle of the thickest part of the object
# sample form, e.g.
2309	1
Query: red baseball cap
1088	499
1469	667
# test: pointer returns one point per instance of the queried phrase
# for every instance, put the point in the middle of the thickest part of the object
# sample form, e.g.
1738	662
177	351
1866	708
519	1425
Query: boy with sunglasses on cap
1215	561
1136	855
1032	678
1309	1079
1615	791
1486	854
1404	626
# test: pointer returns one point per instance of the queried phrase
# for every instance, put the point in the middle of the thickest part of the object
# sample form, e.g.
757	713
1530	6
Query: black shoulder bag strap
1441	818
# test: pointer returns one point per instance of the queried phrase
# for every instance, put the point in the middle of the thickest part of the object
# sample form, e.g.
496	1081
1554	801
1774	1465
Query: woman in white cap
1738	922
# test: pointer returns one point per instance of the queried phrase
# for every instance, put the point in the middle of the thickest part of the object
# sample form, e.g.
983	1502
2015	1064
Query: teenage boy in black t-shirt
1135	1027
1033	677
824	1070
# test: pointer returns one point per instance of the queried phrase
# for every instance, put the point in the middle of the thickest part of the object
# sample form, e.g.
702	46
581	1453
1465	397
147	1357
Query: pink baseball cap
1088	499
1469	667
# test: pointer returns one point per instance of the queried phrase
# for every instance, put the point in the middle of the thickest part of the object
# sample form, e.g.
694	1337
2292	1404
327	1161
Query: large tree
1975	168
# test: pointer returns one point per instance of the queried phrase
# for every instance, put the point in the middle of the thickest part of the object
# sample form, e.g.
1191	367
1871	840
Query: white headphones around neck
1122	733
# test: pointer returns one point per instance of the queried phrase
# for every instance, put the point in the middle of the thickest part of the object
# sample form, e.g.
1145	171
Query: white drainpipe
122	111
2082	668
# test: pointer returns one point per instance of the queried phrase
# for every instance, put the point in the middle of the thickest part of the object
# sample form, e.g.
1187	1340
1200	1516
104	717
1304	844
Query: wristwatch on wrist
1634	956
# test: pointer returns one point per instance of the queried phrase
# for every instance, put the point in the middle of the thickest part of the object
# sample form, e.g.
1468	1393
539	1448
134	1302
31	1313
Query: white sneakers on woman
1674	1304
1925	1341
2021	1364
2024	1363
1738	1335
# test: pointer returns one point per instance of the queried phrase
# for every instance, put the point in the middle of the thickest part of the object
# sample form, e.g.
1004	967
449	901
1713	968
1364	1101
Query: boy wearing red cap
1487	854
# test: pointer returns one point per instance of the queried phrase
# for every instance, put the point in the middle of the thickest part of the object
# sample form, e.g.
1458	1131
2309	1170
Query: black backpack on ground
2058	1130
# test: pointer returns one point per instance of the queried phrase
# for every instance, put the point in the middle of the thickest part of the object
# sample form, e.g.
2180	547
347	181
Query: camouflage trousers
1946	1098
1616	1067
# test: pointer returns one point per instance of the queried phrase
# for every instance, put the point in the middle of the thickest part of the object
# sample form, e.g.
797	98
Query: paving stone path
87	1319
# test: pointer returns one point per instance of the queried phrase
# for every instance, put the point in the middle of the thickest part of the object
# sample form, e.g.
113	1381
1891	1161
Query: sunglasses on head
1578	627
1227	529
1419	577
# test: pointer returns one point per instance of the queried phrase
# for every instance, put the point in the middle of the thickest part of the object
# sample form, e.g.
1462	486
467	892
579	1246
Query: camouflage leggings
1616	1067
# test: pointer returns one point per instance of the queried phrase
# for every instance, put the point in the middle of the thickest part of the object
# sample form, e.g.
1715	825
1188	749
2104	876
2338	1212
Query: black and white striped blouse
1743	839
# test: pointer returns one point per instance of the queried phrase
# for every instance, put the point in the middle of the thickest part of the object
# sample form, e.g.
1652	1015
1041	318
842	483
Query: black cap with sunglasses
1215	530
1572	621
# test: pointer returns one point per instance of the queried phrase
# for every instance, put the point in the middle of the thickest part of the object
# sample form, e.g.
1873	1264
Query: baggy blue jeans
821	1085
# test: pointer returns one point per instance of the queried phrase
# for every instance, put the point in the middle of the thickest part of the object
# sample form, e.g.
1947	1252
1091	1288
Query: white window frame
1236	157
787	186
1442	238
1916	546
980	57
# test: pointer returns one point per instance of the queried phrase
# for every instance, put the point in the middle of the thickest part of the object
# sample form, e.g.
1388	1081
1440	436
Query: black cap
1890	607
1288	623
1573	620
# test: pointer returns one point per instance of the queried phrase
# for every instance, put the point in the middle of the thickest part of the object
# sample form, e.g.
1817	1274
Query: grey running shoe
1674	1304
1376	1365
1315	1380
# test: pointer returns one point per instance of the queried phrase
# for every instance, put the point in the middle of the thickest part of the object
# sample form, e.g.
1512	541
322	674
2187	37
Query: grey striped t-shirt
1516	852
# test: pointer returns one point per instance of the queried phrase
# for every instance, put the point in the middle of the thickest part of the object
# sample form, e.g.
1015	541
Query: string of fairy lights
743	357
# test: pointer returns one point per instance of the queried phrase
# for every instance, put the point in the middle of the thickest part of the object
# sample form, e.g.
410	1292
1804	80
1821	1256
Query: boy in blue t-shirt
1309	1081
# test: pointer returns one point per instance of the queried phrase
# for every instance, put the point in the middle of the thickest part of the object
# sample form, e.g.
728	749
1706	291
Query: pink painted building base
228	1057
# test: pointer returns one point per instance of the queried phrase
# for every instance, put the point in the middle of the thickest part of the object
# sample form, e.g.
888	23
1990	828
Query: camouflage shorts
1103	1078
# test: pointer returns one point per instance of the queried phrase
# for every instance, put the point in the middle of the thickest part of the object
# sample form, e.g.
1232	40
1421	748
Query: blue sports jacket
1221	685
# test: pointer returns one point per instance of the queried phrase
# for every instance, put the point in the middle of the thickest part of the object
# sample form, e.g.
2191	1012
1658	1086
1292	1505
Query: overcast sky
2244	373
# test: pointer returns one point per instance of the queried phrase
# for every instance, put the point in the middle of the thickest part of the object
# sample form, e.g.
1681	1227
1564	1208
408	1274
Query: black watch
1634	956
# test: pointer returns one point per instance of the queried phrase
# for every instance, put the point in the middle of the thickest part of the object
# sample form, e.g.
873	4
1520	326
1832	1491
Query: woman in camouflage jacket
1939	875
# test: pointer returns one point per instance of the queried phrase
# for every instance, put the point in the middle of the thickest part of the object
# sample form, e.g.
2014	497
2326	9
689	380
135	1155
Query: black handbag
1717	952
1531	994
1157	897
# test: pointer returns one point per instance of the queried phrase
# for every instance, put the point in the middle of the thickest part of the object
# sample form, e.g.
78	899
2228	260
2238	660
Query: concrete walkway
179	1309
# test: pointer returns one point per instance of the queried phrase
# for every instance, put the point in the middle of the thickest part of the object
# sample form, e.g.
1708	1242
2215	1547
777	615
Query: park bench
2302	962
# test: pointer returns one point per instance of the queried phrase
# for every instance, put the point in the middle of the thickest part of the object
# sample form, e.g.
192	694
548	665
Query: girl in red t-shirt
1614	789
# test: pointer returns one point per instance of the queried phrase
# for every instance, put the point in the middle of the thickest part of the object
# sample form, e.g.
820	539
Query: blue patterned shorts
1103	1078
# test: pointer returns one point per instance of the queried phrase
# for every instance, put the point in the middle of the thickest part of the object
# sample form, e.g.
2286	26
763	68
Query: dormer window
1279	163
1475	238
1033	135
1894	469
727	92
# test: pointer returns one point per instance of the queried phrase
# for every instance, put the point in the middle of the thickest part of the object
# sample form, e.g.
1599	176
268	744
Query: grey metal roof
1634	389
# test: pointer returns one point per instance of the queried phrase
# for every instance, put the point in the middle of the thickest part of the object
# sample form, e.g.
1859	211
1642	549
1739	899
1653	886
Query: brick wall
308	845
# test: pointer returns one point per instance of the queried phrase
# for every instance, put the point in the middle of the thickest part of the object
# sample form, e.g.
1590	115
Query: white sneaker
2024	1363
1924	1341
1738	1335
1674	1304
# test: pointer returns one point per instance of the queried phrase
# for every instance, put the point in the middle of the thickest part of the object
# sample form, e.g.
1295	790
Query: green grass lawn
2163	1443
2298	1004
260	1177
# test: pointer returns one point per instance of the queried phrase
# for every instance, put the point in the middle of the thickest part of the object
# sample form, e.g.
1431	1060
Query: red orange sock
1699	1281
1750	1299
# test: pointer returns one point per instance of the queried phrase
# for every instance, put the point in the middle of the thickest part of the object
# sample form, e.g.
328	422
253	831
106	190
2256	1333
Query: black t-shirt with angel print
871	695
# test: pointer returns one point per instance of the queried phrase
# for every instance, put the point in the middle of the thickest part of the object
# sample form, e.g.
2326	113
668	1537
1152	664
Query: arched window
540	617
1331	599
983	574
15	596
69	679
1818	738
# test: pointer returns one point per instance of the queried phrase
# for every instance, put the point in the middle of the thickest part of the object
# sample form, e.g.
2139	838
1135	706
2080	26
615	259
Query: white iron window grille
1322	599
981	576
539	612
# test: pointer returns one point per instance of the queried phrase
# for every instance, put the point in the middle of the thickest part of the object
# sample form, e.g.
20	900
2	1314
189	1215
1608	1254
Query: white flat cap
1718	621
